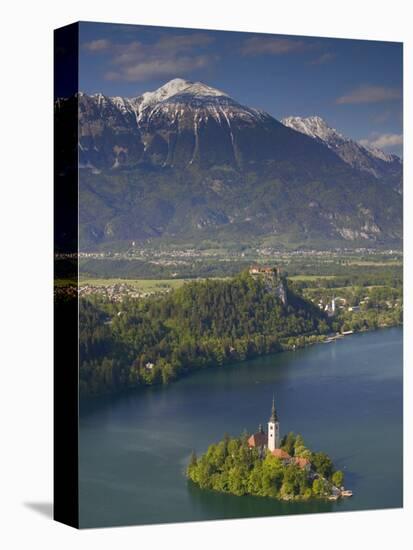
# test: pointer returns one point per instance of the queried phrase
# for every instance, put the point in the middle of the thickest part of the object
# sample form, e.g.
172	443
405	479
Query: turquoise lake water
345	398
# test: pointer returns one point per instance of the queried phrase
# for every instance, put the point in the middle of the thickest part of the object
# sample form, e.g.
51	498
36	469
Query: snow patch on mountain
164	92
315	127
386	157
371	160
198	89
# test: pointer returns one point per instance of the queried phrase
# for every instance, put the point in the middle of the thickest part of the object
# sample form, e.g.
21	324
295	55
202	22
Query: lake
345	398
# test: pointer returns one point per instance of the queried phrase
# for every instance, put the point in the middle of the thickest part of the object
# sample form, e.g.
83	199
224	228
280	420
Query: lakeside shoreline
92	400
200	409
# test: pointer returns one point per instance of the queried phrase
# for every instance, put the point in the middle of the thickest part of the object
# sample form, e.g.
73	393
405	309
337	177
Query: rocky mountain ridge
188	163
376	162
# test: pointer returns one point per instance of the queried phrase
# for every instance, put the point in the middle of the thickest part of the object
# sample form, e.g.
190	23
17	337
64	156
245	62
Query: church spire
273	429
273	417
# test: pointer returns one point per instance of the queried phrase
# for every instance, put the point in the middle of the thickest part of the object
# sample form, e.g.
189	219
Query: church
272	441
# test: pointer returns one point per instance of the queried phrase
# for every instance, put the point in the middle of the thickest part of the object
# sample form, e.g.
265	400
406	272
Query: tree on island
231	466
322	464
337	478
192	460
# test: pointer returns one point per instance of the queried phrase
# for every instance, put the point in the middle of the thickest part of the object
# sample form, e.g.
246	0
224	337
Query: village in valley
343	280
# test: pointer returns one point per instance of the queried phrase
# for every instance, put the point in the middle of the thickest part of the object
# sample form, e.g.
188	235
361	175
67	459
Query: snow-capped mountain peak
192	105
166	91
189	115
367	159
199	89
315	127
176	90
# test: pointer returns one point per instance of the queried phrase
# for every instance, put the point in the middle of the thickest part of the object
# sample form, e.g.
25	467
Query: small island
263	464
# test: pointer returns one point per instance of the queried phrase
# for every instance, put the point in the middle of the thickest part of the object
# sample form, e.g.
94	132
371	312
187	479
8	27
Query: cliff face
281	292
273	280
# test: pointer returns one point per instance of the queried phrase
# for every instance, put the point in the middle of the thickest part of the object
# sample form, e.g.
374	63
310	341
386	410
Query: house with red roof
258	439
281	454
302	463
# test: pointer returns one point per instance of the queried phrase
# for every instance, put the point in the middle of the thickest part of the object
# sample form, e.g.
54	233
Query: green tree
288	443
319	487
237	479
322	464
337	478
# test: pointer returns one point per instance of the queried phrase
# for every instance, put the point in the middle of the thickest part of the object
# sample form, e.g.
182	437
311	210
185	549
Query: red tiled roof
262	268
301	462
280	453
257	440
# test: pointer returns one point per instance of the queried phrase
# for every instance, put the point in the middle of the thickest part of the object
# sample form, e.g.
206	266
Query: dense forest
213	322
230	466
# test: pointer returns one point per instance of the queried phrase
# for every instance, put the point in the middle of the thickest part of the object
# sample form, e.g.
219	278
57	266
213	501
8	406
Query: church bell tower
273	429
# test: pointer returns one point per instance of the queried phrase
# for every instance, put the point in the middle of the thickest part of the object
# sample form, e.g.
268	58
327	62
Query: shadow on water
93	404
215	505
222	375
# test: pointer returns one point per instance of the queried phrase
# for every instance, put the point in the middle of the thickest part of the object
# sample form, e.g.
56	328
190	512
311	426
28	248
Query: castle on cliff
273	280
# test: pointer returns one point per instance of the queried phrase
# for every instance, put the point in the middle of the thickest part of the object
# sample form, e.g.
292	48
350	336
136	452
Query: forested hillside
214	322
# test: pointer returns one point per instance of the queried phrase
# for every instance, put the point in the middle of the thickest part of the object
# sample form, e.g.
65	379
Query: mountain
376	162
189	164
184	123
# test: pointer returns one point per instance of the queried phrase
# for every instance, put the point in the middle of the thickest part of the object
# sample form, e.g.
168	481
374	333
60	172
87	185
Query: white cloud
97	45
323	59
383	141
144	70
274	46
168	56
370	94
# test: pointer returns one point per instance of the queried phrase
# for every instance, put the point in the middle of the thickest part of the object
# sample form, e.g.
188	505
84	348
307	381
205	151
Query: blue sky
356	85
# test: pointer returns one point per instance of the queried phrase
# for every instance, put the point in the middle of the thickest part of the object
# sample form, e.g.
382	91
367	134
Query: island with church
264	464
